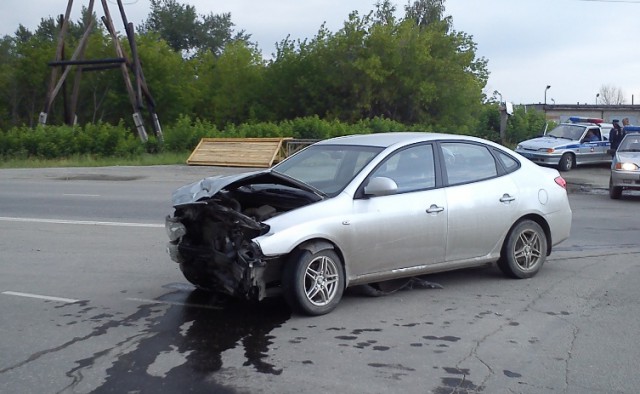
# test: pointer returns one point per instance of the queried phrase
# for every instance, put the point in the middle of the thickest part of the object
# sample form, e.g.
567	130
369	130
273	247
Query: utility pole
127	67
505	110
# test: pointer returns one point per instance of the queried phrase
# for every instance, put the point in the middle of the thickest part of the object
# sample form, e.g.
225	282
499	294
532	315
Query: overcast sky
576	46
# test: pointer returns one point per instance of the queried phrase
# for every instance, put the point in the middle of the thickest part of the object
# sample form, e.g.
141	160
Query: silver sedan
365	209
625	167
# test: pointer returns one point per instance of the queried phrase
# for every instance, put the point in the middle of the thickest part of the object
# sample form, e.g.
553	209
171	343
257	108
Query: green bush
102	140
185	134
50	142
260	130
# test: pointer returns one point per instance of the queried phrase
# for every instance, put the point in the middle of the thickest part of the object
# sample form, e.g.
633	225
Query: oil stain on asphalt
196	330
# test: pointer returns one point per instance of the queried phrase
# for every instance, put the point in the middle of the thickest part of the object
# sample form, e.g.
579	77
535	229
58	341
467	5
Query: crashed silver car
366	209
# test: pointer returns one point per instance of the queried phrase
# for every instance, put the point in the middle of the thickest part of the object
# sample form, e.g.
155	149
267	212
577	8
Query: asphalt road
90	302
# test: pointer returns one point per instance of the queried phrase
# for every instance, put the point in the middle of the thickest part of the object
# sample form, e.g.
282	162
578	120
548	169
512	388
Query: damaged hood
208	187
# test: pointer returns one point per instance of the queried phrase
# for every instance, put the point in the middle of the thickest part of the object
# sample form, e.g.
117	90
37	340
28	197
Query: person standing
625	123
615	135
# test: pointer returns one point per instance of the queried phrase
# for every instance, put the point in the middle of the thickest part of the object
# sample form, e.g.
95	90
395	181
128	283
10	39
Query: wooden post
54	72
141	83
67	69
76	83
137	117
76	60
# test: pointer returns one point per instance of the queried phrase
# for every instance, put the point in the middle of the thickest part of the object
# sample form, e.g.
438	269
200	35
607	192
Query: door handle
435	209
507	198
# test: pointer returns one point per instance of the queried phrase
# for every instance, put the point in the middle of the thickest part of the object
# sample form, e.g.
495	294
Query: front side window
465	162
412	168
592	134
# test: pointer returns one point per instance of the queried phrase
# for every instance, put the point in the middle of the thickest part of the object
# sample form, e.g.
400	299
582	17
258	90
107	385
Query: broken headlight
175	229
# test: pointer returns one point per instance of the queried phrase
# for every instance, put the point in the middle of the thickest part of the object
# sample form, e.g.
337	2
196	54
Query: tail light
561	182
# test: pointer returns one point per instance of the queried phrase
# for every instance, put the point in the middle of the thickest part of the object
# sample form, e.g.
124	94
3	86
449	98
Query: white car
584	140
365	209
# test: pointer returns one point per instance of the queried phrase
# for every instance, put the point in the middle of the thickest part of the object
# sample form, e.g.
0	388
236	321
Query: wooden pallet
238	152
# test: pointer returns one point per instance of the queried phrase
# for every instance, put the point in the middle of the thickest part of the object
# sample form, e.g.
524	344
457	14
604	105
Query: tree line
414	70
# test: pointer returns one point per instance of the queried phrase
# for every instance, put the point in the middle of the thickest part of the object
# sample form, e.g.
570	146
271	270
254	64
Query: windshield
630	144
569	131
328	168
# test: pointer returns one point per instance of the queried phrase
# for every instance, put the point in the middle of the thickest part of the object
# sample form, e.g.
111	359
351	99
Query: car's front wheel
566	162
313	283
197	275
524	251
615	192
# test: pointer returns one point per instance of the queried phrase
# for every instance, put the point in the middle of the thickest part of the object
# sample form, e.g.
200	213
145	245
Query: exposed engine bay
211	235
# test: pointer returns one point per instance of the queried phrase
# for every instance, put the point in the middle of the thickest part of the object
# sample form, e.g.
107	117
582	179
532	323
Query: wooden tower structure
131	69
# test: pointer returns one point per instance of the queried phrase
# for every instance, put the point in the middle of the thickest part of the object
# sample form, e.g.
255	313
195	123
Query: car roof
385	140
584	124
631	133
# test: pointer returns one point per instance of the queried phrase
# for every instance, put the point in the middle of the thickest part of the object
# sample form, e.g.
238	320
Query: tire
197	276
615	192
313	283
566	162
524	251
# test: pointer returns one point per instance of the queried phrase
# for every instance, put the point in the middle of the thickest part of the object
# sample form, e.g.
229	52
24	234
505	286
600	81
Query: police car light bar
580	119
632	129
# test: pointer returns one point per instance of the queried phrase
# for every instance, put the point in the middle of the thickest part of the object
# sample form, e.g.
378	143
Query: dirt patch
98	177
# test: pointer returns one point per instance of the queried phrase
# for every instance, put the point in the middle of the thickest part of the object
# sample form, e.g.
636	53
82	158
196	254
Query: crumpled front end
215	221
212	243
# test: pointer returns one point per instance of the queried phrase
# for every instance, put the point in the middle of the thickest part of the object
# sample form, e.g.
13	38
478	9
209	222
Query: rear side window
509	163
466	162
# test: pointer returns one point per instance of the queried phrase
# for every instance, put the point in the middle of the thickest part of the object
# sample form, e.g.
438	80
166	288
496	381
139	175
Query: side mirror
380	186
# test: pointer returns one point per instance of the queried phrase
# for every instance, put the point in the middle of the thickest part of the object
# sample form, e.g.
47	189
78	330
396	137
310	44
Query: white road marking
85	222
81	195
140	300
147	301
41	297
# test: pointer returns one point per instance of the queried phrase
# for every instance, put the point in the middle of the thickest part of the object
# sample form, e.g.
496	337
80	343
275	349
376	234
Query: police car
579	141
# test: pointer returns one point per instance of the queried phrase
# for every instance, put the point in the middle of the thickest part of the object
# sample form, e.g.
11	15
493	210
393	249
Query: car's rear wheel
615	192
313	283
566	162
524	251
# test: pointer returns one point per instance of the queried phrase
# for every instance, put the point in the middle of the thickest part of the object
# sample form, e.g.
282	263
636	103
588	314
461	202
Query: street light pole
597	95
545	94
502	106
